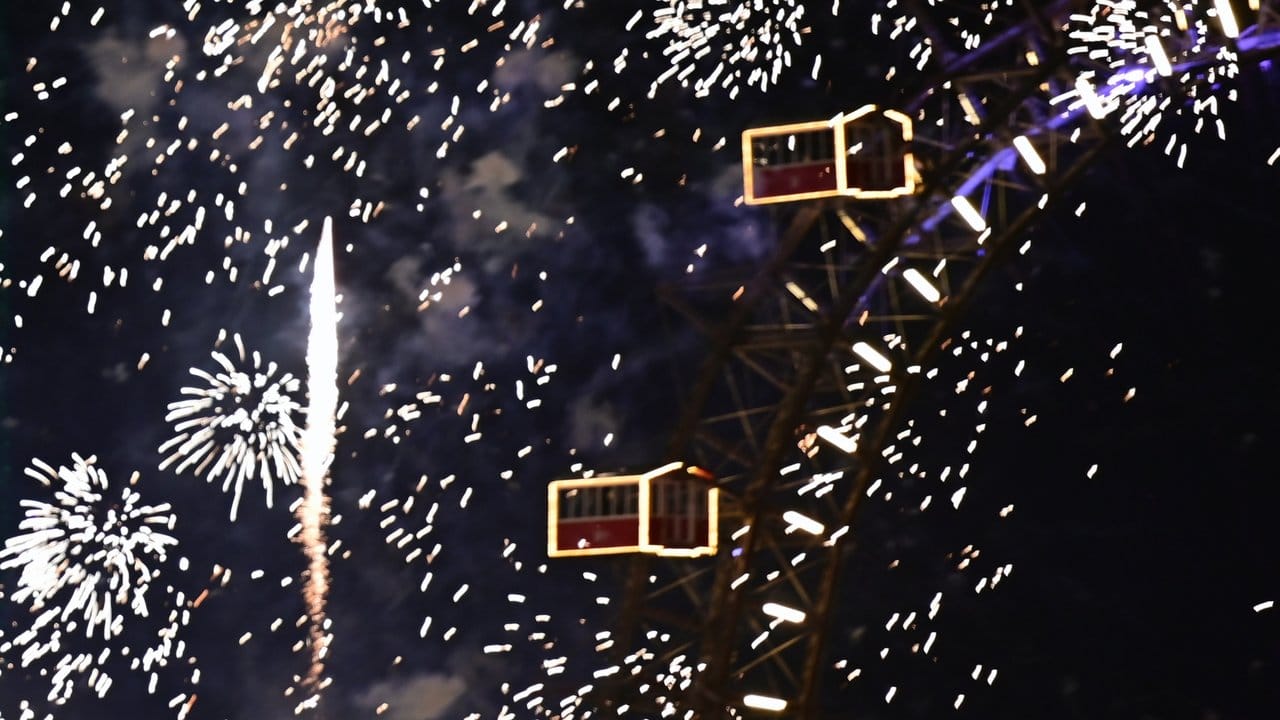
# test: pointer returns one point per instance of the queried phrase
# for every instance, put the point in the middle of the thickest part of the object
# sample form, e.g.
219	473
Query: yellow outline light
748	169
908	158
713	527
837	126
553	514
643	518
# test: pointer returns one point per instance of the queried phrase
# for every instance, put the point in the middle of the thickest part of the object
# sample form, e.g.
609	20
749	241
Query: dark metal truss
691	638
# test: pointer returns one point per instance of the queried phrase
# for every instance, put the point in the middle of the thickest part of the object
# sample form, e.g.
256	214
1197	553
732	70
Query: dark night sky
1136	586
1134	589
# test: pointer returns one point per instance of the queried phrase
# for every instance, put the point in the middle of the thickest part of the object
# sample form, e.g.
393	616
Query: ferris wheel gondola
671	511
865	154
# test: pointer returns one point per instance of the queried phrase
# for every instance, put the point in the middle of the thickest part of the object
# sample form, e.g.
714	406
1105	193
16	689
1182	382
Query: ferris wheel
889	220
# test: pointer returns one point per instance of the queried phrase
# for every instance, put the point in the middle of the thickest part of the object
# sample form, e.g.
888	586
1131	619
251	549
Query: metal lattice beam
780	363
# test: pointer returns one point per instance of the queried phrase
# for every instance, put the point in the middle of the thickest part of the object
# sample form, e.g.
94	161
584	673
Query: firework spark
1160	62
726	44
296	103
317	445
239	425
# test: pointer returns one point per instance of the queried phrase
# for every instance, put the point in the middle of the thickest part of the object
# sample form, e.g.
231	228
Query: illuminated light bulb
803	297
1029	155
803	522
783	612
872	356
921	285
970	215
764	702
838	439
970	113
1227	17
1092	101
1158	57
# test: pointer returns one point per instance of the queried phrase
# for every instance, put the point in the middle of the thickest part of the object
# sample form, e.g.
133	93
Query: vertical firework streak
317	446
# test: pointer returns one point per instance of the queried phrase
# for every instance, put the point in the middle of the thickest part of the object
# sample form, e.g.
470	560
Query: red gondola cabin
864	154
670	511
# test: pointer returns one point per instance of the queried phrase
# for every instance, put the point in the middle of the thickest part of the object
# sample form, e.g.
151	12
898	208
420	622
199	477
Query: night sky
503	225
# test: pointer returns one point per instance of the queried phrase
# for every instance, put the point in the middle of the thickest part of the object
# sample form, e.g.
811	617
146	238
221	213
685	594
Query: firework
240	122
724	44
1159	60
317	445
240	424
90	550
86	561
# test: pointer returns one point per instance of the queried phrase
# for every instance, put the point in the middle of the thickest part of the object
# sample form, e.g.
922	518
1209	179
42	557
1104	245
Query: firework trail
317	446
238	425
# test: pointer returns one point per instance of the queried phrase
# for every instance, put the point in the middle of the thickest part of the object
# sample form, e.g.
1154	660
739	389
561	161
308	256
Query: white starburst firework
86	553
86	561
240	425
